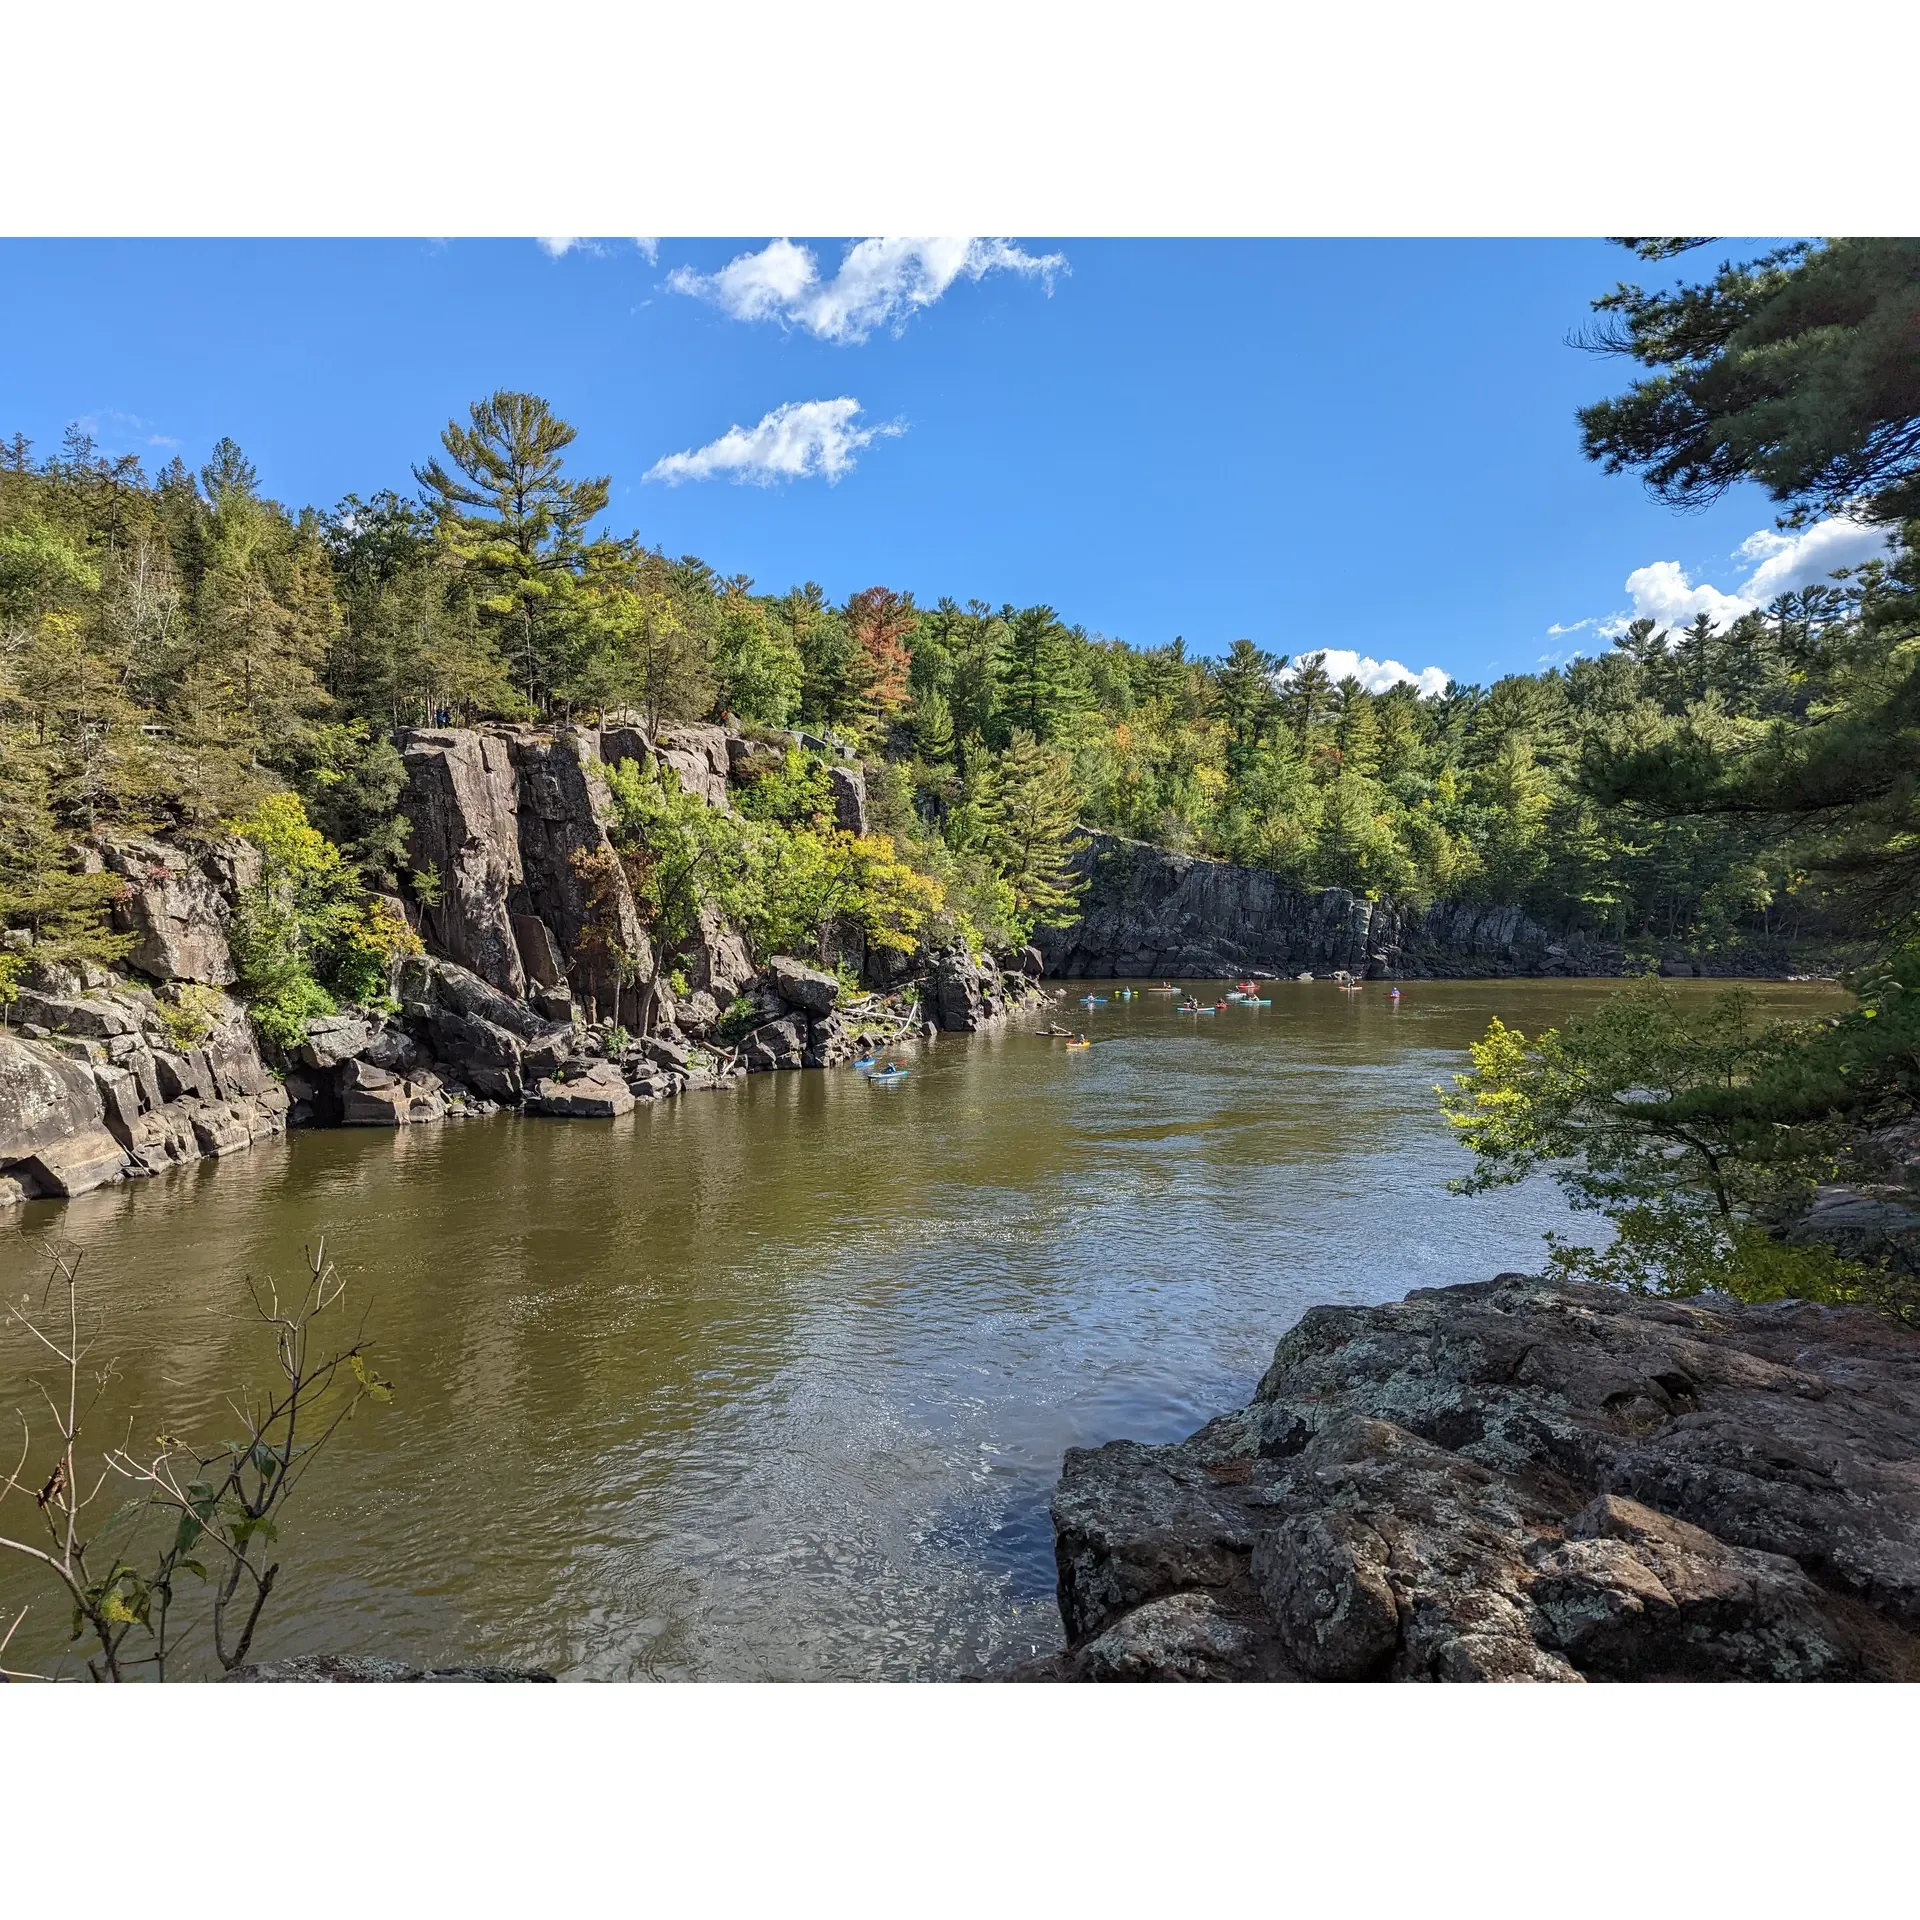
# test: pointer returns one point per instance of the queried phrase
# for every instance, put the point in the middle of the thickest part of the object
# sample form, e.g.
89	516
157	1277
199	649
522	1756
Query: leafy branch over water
210	1515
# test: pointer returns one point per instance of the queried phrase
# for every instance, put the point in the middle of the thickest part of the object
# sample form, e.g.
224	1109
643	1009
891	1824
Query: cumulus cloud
1375	675
1774	563
554	249
649	251
880	282
793	442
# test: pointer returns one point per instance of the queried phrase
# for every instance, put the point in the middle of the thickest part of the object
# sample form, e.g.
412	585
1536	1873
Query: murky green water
773	1382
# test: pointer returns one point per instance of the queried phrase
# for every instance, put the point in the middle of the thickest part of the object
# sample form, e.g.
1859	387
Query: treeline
175	647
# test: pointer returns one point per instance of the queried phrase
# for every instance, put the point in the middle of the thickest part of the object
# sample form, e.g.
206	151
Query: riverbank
1517	1480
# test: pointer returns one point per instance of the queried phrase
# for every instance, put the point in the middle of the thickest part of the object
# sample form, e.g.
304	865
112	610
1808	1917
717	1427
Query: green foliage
1024	811
188	1013
1697	1130
304	926
1796	369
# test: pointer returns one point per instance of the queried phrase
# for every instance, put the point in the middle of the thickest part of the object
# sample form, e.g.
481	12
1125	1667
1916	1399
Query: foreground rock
1519	1481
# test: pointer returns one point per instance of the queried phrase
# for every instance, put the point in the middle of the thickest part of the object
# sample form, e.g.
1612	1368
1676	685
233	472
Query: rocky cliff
1519	1481
105	1079
1149	913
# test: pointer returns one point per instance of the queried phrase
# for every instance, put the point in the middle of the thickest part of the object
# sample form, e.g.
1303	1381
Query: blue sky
1357	445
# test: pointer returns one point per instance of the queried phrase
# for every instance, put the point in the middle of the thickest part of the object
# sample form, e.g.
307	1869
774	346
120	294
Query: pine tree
507	512
1028	807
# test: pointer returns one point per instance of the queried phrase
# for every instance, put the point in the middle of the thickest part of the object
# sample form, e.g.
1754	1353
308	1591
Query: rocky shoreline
110	1075
1149	913
1518	1480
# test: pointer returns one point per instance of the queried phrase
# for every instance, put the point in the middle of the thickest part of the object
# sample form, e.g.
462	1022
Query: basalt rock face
1519	1481
1148	912
462	807
177	906
515	821
96	1088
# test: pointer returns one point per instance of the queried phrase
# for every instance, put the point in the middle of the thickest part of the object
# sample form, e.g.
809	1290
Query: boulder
829	1042
44	1099
545	965
775	1045
177	908
600	1093
183	1076
486	1056
77	1164
220	1127
1519	1481
372	1097
962	994
337	1037
698	1014
802	986
161	1139
666	1053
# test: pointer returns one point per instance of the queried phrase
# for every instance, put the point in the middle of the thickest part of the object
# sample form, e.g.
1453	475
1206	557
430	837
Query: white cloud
116	432
1779	563
1789	562
879	282
555	249
803	438
1375	675
650	251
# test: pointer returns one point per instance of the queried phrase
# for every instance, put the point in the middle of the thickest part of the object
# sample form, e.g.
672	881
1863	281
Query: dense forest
174	647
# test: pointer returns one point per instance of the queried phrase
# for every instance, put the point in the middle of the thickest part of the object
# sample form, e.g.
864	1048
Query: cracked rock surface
1518	1480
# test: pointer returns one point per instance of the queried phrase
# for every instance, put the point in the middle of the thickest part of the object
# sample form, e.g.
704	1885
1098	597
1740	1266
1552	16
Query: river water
773	1382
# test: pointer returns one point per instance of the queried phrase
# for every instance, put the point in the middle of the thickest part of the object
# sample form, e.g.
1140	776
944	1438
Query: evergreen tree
1027	809
507	511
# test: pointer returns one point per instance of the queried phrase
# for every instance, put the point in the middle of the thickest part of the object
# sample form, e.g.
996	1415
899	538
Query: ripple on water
774	1383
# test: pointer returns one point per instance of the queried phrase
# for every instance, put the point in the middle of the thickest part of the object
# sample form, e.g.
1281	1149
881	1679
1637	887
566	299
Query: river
773	1382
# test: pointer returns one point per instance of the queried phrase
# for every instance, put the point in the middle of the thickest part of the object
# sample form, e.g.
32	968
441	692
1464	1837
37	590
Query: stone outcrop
802	986
96	1087
1148	913
962	994
1872	1214
178	907
849	787
699	757
1519	1481
461	802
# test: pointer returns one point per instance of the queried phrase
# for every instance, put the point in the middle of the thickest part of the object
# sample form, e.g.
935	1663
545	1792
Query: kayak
1074	1046
887	1076
865	1066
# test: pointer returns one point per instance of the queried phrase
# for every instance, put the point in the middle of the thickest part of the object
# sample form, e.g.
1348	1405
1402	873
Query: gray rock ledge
1518	1480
